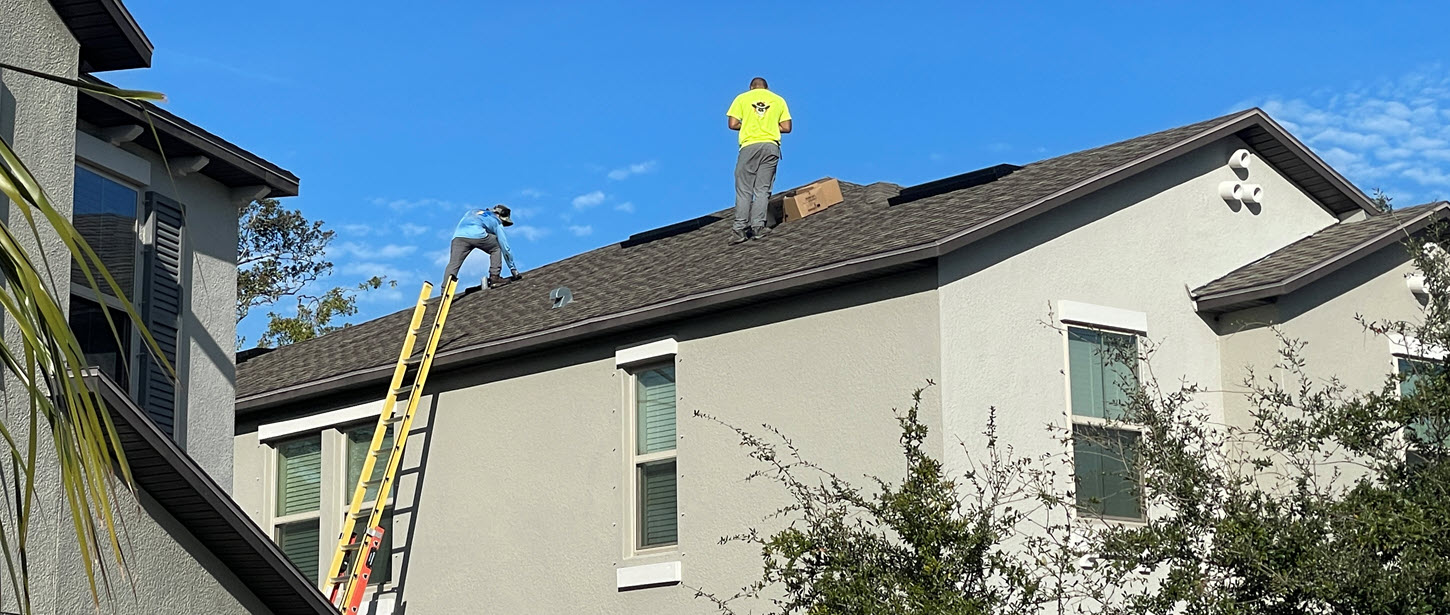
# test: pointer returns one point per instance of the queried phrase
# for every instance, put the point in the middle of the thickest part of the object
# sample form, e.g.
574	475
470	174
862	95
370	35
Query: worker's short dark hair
761	81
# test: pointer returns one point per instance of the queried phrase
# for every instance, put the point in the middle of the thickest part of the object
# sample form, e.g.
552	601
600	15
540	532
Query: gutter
1225	301
857	266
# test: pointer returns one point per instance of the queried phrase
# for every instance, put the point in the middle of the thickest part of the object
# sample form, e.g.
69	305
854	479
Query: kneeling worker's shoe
739	237
495	281
760	232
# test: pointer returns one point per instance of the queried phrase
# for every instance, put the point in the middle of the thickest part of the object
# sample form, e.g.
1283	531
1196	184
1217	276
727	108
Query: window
296	520
105	215
1415	370
652	458
104	348
1102	375
359	440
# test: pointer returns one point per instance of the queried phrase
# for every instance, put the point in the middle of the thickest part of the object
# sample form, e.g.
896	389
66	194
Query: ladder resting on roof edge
352	563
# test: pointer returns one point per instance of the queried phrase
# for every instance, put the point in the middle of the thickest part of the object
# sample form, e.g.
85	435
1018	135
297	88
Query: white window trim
648	575
343	496
335	419
1101	317
633	521
269	503
102	155
1112	320
653	351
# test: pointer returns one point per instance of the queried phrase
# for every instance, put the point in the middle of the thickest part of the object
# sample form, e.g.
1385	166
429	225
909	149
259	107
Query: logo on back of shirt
761	107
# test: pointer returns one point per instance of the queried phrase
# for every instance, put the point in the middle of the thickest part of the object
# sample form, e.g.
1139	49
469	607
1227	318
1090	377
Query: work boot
739	238
760	232
495	281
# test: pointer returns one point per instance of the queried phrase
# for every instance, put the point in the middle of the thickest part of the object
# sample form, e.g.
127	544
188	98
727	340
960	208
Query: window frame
343	491
1101	423
276	521
1404	355
635	461
81	289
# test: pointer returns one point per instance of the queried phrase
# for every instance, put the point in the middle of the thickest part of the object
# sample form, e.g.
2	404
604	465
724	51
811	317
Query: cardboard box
798	203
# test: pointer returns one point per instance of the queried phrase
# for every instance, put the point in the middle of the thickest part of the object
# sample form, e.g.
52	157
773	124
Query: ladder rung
373	481
336	580
395	419
403	390
414	360
352	546
363	514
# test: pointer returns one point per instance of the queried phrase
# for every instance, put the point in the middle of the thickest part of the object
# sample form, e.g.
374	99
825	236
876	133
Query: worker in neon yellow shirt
761	116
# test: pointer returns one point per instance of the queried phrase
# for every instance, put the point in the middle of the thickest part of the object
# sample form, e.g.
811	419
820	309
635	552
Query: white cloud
412	230
532	193
412	204
581	230
366	251
366	269
531	233
633	169
1393	134
357	229
626	207
585	201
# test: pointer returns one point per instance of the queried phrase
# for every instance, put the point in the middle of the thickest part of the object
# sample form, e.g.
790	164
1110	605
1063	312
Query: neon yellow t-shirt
760	113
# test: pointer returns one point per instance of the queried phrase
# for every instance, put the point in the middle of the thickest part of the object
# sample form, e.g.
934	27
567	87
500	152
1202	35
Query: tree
67	426
315	314
279	254
930	544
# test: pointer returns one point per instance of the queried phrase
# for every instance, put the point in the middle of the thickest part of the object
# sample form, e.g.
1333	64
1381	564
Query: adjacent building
169	239
558	465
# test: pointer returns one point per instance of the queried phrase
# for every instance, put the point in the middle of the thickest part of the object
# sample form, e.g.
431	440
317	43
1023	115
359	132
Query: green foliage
1381	200
279	252
1330	501
929	544
315	314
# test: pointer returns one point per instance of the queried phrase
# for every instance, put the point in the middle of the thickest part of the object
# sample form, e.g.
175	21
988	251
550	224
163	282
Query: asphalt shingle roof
614	279
1301	256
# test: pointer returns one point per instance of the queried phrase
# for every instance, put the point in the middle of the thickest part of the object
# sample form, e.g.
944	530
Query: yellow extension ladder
352	564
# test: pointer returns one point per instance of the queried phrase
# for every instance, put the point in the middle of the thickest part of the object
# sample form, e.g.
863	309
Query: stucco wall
1323	315
172	573
1137	246
522	500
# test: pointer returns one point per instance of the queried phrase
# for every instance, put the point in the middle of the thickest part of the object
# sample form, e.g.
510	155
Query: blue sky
597	121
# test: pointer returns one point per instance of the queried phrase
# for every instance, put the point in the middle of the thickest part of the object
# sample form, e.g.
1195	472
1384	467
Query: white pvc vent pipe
1239	159
1230	191
1251	193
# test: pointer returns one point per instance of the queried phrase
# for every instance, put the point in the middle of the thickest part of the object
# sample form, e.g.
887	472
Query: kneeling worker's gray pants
462	246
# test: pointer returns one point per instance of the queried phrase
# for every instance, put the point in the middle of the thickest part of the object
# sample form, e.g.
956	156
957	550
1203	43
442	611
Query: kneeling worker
482	229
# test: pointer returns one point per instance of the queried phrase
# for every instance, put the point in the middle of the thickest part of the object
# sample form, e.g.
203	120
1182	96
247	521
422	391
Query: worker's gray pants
462	246
754	173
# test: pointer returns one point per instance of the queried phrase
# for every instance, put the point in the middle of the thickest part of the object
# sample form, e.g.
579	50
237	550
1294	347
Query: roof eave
278	181
1218	303
99	51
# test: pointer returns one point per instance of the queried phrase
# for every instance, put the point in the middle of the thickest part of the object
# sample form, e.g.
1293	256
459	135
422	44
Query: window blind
1102	371
659	523
299	475
1107	483
299	542
358	442
655	406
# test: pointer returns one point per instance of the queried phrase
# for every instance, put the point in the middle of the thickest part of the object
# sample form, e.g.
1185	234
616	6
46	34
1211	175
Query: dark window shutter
161	307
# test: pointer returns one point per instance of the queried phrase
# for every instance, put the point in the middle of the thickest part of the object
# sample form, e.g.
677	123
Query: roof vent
561	297
953	183
678	228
